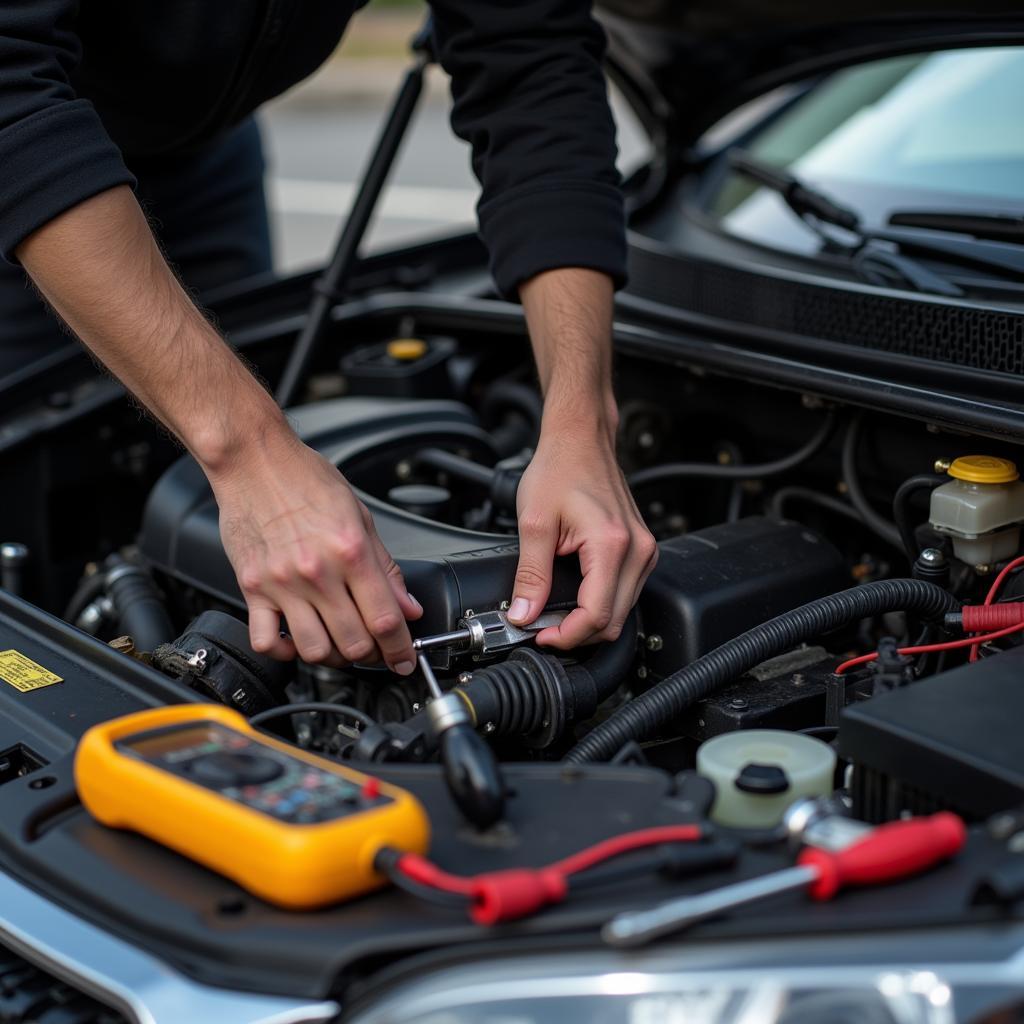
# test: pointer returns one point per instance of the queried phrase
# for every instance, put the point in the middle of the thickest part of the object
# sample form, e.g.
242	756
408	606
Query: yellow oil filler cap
983	469
407	350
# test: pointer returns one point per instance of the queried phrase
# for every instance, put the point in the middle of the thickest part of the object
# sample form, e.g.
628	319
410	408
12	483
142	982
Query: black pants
208	211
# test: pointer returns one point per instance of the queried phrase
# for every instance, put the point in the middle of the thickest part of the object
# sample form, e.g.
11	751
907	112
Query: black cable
876	523
399	880
643	716
754	471
901	507
313	705
786	494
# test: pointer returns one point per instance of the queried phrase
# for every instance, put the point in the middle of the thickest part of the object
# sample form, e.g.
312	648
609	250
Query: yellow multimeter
293	828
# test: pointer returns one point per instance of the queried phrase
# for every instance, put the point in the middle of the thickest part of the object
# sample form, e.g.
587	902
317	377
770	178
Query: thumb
537	542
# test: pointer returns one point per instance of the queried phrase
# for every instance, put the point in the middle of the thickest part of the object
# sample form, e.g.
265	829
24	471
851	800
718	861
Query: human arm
530	96
301	543
573	498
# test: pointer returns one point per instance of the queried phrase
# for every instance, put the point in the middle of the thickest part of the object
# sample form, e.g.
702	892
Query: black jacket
88	85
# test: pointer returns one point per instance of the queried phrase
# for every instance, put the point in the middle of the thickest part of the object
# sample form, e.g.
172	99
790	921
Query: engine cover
709	585
450	570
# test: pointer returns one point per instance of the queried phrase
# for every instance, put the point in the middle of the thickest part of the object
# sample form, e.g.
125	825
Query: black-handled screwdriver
470	767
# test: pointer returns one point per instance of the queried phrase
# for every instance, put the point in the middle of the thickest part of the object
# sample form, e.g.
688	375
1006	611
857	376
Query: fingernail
405	668
519	609
415	603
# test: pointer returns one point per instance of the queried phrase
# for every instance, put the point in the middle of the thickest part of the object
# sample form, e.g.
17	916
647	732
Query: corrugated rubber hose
645	715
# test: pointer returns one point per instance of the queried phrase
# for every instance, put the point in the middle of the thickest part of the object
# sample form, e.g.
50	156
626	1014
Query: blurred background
318	138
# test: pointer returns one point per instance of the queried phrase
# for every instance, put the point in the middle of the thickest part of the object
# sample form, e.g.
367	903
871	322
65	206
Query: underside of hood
690	63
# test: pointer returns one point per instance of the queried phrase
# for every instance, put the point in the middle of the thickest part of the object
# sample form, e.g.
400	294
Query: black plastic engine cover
450	570
951	742
711	585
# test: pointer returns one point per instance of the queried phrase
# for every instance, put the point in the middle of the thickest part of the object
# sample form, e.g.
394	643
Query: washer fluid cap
758	773
984	469
407	350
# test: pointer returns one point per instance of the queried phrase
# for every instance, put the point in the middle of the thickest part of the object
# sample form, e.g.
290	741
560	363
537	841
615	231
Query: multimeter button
224	769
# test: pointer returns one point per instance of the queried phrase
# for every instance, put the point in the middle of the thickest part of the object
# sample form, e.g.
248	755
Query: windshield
938	131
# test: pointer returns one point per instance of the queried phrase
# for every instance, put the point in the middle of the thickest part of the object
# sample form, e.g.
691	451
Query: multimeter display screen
251	773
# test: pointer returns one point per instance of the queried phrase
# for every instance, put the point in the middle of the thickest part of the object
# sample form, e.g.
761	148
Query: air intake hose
534	696
643	716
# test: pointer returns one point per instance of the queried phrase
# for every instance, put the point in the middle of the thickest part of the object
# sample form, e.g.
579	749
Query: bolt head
983	569
932	556
641	672
942	465
465	677
737	703
654	642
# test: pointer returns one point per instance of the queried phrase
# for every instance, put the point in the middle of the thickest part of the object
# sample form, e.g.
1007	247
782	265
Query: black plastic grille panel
29	995
960	335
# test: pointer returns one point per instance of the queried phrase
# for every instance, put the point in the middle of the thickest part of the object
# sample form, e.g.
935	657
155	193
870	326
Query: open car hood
687	64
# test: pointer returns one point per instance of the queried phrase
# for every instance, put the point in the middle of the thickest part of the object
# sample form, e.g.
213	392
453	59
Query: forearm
101	270
569	315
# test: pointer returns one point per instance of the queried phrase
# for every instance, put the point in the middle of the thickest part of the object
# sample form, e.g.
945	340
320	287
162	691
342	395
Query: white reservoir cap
758	773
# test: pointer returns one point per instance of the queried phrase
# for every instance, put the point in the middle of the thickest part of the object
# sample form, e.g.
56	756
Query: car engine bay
805	544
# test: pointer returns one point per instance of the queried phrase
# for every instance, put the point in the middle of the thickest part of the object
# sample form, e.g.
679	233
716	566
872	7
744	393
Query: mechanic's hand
304	547
573	498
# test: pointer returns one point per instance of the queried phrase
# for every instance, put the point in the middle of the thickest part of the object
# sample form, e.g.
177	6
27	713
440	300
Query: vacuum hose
643	716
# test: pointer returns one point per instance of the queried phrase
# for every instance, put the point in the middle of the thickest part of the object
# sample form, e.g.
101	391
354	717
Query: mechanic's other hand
573	498
305	548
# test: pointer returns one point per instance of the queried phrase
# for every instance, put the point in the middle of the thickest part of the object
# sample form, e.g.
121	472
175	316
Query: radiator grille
29	995
981	339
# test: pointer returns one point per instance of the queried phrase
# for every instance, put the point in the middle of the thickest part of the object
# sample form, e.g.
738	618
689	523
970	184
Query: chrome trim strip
136	983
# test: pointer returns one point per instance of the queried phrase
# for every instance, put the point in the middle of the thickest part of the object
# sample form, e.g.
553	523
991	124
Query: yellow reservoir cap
984	469
407	350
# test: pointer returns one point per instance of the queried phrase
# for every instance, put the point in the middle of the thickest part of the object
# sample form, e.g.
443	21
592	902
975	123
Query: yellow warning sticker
23	673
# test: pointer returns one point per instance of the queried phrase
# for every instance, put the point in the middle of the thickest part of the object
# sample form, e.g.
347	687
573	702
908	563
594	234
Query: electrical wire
506	895
753	471
424	892
991	596
949	645
285	710
875	522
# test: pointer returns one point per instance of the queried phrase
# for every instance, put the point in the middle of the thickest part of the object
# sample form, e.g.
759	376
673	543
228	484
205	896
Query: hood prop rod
329	286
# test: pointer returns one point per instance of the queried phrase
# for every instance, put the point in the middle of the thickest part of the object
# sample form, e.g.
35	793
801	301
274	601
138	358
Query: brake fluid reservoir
981	509
758	773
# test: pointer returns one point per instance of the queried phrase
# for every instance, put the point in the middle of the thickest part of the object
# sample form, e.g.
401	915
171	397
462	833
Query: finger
411	608
308	633
345	625
649	567
601	563
265	633
538	538
380	611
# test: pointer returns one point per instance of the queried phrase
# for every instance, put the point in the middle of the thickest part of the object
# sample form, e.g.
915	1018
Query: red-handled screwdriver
889	852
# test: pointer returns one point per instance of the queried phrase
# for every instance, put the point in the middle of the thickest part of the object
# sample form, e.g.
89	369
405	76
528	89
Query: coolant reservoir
981	509
760	772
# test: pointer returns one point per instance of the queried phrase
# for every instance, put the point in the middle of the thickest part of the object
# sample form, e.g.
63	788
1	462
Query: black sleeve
54	150
530	97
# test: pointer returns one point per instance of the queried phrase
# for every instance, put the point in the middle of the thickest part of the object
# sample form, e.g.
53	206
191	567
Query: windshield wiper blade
876	265
995	227
866	255
800	198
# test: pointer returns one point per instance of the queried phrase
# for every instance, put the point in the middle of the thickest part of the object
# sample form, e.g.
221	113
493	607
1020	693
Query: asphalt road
317	152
